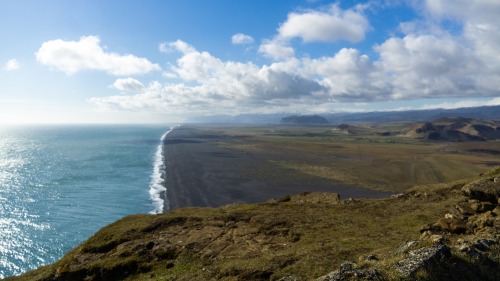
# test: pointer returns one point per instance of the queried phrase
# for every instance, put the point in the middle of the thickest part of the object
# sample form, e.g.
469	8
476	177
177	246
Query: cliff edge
434	232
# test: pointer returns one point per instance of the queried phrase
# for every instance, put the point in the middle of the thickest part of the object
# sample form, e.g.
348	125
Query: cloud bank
428	62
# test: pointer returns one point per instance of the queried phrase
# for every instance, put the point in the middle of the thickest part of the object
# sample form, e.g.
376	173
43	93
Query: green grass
383	163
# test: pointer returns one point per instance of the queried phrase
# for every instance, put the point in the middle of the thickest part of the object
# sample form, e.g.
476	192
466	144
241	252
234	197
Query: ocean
60	184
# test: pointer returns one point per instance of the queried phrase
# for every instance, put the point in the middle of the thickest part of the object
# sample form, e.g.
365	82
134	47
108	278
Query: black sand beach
201	173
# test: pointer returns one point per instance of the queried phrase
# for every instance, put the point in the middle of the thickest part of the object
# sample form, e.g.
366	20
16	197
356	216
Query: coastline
199	173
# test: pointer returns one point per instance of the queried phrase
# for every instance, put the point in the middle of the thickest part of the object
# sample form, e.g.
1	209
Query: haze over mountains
484	112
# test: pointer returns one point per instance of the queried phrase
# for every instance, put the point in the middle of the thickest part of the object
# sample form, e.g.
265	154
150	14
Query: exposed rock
465	209
476	248
452	225
406	246
349	271
483	190
422	259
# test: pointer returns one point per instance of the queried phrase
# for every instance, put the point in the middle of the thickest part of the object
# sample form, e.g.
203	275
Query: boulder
483	190
349	271
422	258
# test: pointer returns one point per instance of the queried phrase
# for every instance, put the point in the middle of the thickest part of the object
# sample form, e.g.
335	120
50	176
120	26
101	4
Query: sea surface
60	184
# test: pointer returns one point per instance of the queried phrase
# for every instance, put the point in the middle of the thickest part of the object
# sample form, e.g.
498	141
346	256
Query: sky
164	61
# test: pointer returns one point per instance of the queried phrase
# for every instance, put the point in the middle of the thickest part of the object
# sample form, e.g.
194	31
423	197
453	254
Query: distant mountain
304	119
457	129
484	112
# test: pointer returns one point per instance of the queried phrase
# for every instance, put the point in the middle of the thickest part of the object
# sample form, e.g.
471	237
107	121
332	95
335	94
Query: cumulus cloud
87	54
326	26
241	39
427	66
128	85
12	65
422	63
276	49
214	83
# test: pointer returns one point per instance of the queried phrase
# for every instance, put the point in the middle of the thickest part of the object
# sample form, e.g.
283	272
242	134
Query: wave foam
156	188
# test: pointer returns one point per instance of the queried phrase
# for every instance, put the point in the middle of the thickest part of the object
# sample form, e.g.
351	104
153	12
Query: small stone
371	258
150	245
496	211
347	266
497	179
438	239
452	225
397	196
449	216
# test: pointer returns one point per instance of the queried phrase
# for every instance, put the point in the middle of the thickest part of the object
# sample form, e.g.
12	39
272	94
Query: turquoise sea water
60	184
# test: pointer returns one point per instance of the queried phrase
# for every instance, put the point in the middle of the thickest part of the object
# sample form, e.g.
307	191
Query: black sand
199	173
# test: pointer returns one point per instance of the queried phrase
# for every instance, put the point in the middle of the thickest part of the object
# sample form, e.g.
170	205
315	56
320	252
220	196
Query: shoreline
199	173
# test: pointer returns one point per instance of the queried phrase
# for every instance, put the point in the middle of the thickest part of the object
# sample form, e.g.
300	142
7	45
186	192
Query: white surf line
156	188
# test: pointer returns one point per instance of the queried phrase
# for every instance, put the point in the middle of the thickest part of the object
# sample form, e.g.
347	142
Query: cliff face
438	232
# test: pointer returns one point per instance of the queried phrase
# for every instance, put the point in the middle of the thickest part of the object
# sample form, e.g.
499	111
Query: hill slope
304	120
457	129
453	231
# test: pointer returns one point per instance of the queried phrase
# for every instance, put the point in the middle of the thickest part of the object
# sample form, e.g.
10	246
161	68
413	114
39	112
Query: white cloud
426	62
276	49
178	45
241	39
128	85
214	83
87	54
427	66
326	26
12	65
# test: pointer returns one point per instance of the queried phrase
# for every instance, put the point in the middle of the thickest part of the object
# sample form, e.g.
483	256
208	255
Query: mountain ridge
482	112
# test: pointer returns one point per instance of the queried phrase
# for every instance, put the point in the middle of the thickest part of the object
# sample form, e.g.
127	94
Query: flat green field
365	159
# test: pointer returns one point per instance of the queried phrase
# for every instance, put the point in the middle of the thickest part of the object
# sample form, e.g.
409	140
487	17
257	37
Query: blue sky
163	61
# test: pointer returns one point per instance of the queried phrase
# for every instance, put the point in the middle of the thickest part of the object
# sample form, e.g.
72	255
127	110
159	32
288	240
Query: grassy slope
263	241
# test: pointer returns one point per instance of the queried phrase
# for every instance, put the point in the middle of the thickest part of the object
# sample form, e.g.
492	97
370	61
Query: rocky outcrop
351	271
422	259
487	190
